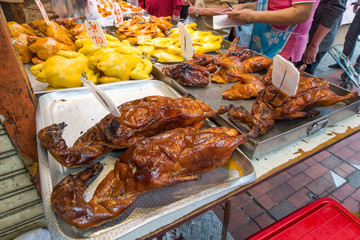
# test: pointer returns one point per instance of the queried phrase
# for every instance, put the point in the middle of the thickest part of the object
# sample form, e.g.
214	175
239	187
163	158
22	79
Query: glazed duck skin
175	156
139	118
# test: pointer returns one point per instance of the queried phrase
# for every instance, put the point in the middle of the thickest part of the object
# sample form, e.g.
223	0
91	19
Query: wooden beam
17	102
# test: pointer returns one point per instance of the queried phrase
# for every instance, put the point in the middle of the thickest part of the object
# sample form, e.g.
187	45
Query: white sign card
43	11
117	15
185	42
222	21
285	76
95	33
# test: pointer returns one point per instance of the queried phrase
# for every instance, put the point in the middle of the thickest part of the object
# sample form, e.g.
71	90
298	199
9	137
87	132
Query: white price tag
95	32
185	42
285	76
117	15
42	10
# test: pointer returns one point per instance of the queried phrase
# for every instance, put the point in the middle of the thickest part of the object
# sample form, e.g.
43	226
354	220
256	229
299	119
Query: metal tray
283	132
80	110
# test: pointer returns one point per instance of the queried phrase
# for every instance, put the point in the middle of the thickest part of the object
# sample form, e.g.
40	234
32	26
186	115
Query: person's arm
356	6
188	2
313	47
212	11
251	5
333	11
297	13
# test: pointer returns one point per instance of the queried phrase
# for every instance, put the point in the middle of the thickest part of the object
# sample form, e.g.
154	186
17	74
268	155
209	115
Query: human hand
356	6
244	15
176	18
192	11
310	54
186	2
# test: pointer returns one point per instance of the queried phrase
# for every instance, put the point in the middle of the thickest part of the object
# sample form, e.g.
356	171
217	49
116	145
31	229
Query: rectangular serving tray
79	109
283	132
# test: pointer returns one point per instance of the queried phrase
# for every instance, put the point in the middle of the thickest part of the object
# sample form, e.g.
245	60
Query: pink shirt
162	8
295	47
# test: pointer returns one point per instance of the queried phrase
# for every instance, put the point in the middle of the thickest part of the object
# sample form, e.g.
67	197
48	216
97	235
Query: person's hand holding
244	15
310	54
356	6
192	11
186	2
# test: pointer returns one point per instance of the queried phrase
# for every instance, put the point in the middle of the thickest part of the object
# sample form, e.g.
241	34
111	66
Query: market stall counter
160	210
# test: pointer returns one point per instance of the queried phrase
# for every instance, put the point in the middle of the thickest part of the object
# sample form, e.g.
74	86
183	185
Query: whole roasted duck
175	156
188	74
271	104
139	118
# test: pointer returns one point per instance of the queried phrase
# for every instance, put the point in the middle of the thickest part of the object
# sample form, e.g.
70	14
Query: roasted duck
188	74
76	30
179	155
139	118
203	60
247	87
271	104
229	66
256	64
235	50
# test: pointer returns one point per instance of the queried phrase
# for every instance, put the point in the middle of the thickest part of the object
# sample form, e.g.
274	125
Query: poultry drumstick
142	117
171	157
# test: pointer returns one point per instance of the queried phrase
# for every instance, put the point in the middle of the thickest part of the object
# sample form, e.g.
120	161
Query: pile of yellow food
167	50
117	62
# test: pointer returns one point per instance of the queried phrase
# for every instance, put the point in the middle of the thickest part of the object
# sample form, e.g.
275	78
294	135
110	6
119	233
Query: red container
324	219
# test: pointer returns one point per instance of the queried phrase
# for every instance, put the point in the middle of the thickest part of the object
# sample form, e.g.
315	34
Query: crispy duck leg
172	157
139	118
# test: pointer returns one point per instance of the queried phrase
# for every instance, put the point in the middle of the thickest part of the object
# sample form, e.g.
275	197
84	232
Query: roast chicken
23	37
203	60
139	118
175	156
54	30
241	52
271	104
229	66
256	64
248	86
46	47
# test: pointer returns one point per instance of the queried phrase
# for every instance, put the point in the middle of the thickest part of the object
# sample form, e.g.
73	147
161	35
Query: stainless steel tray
80	110
283	132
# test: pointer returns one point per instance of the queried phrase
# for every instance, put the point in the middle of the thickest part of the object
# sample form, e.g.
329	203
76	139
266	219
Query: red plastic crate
324	219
